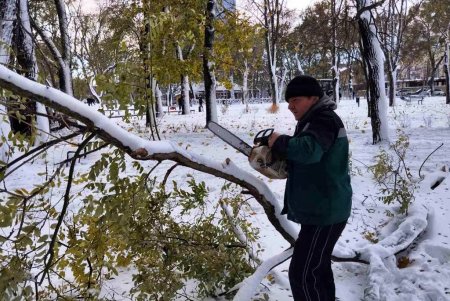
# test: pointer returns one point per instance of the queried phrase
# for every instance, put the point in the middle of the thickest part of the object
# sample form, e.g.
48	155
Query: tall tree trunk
272	66
334	55
65	74
185	94
158	99
145	49
184	84
245	86
8	17
434	70
31	67
299	66
26	60
447	66
374	63
208	71
392	78
366	76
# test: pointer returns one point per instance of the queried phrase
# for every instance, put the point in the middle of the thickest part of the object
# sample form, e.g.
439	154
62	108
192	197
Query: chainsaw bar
230	138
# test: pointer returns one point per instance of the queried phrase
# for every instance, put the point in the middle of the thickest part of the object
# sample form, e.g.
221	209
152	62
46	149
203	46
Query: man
318	191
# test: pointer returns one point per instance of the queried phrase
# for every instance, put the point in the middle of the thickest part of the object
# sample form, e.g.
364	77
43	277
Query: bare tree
208	70
272	17
373	58
393	22
61	54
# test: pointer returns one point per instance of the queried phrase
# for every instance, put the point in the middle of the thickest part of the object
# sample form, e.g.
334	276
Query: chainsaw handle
262	138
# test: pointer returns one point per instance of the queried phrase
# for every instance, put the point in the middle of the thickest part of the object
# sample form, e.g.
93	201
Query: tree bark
447	66
7	18
245	86
208	71
65	75
371	55
26	60
185	94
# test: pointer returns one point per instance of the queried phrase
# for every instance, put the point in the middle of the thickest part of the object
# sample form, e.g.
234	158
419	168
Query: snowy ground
427	277
427	125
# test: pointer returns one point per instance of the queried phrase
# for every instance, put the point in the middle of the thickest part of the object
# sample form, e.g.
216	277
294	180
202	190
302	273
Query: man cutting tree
318	192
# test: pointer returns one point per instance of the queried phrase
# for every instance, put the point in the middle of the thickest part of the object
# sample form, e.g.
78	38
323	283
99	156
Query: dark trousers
310	273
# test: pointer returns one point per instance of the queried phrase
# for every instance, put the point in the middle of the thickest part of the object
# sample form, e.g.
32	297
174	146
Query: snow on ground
427	277
427	125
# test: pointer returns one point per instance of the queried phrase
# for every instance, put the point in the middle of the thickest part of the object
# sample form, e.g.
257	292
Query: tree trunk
335	59
7	18
208	71
446	67
392	84
25	108
272	66
374	63
64	70
30	65
433	74
366	76
299	66
185	94
245	86
158	99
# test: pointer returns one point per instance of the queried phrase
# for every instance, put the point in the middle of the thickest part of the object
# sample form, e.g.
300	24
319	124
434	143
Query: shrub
393	176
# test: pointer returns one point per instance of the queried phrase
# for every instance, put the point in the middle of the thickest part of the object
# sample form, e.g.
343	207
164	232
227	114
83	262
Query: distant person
200	104
180	103
318	193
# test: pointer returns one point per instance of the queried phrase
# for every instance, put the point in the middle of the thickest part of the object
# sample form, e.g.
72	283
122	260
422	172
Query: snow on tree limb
248	286
383	264
142	149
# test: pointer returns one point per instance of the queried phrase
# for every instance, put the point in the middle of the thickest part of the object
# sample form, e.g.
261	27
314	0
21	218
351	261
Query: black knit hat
303	85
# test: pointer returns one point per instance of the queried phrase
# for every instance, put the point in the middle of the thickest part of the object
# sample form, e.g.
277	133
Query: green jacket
318	189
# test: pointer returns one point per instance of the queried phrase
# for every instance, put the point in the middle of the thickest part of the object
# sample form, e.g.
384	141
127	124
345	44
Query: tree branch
142	149
420	176
50	253
368	8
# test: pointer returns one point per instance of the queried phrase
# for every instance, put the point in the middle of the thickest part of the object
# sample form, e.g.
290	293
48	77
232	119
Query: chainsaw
259	156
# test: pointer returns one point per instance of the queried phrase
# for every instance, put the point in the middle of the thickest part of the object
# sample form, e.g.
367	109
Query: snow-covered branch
383	264
142	149
248	286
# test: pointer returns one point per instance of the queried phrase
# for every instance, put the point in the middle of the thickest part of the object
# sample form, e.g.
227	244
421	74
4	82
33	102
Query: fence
230	101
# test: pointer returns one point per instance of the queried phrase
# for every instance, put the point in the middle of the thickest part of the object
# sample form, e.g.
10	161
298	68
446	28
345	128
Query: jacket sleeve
310	145
280	146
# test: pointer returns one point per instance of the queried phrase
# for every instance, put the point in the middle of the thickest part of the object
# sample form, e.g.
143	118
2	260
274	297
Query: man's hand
273	138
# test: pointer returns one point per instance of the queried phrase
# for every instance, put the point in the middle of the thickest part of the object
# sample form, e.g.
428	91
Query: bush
393	176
